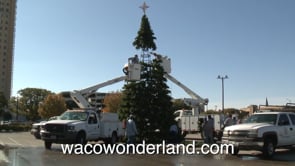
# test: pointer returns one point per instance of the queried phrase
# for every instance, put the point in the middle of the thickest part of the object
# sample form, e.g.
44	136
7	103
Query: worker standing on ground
131	130
228	121
208	130
173	133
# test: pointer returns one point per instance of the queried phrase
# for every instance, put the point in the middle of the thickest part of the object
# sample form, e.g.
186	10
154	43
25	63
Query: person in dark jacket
131	130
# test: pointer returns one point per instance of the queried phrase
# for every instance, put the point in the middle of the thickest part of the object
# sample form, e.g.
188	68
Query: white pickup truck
264	131
81	126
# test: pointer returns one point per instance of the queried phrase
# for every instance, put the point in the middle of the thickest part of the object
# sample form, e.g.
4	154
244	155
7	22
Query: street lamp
222	80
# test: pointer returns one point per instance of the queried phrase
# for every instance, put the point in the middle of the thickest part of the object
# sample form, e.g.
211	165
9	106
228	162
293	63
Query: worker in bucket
131	130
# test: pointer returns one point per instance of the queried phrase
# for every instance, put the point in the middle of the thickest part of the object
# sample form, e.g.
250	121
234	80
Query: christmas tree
148	100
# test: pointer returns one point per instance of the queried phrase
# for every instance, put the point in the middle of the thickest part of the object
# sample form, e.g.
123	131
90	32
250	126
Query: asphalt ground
22	149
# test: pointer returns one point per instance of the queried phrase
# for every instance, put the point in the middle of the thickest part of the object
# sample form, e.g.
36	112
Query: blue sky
64	45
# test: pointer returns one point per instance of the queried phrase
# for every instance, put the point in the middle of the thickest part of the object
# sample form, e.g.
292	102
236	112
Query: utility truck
187	119
81	126
190	123
88	123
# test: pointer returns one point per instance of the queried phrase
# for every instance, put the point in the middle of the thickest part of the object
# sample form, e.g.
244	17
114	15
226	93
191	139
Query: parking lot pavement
13	140
30	151
19	139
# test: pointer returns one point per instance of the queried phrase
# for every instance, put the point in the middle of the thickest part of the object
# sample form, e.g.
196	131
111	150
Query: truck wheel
235	150
81	139
268	148
114	138
37	137
47	144
219	136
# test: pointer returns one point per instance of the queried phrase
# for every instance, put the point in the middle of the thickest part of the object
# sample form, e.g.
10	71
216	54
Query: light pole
222	80
17	108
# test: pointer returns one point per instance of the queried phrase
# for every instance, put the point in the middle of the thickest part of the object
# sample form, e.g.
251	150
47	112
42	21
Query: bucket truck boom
196	102
80	97
187	123
131	70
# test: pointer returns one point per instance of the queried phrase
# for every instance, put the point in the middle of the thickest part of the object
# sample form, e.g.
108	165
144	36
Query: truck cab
180	113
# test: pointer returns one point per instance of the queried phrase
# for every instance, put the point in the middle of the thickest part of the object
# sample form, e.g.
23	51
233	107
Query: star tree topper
144	6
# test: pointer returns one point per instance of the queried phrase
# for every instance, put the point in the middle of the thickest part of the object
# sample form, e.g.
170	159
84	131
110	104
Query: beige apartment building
7	30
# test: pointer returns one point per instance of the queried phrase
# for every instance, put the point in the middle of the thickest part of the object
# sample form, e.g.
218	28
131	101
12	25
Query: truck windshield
74	116
262	118
187	113
176	114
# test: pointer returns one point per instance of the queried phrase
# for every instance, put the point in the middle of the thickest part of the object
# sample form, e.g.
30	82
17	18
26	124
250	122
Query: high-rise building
7	29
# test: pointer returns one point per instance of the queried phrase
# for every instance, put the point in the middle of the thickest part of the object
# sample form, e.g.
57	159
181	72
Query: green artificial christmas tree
148	100
145	36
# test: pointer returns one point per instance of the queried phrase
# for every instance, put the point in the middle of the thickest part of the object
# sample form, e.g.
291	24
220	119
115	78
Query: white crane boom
196	102
131	70
80	96
187	90
92	89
